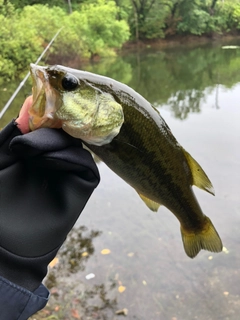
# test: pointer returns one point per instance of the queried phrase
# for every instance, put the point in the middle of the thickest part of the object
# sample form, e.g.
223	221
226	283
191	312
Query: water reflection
177	78
78	249
185	102
71	298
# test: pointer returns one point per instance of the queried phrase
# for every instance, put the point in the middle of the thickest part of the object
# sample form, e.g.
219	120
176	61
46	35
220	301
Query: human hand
46	179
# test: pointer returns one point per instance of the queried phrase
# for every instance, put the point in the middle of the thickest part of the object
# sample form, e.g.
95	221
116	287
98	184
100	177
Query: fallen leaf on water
122	312
53	262
75	314
105	251
130	254
84	254
121	289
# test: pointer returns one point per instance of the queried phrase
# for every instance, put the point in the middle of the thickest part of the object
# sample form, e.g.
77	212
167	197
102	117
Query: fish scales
140	156
136	143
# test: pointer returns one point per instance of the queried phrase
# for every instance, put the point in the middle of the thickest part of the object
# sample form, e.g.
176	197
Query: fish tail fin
207	239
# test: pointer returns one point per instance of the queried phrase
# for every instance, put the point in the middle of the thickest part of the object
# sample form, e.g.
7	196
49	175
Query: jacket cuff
17	303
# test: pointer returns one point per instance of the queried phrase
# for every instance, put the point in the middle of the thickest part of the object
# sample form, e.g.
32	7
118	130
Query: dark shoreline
179	40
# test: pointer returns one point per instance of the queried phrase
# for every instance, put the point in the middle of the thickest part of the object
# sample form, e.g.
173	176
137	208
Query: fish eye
69	82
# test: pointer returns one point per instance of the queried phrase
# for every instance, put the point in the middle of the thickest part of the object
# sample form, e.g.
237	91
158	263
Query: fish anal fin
206	239
200	178
152	205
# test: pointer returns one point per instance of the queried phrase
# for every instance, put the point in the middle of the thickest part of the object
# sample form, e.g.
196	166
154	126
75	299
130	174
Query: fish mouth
42	113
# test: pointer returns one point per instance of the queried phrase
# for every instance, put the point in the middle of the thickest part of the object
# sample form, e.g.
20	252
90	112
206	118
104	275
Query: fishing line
7	105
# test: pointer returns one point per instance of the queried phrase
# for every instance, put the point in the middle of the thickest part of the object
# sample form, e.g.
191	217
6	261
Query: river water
146	271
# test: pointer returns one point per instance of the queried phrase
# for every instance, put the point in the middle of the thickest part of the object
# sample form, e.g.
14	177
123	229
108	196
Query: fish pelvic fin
200	178
207	239
152	205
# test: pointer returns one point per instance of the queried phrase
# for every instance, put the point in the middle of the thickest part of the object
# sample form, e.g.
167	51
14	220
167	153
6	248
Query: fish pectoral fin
152	205
200	178
207	238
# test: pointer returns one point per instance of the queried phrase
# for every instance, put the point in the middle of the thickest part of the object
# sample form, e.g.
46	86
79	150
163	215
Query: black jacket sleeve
46	179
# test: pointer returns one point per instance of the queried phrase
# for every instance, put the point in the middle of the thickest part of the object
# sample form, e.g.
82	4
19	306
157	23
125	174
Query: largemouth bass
127	133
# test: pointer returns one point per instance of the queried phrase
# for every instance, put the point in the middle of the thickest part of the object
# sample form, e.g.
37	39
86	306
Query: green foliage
93	30
158	18
154	24
225	19
98	27
19	46
102	30
236	15
197	23
6	8
205	17
42	20
23	3
147	18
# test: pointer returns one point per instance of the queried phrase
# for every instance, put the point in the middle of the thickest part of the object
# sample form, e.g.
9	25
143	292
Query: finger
23	119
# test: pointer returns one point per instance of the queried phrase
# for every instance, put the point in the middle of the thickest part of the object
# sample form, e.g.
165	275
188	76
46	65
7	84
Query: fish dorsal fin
200	178
152	205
